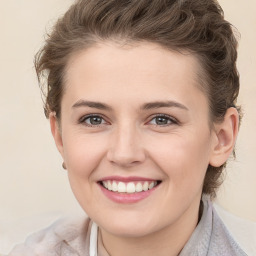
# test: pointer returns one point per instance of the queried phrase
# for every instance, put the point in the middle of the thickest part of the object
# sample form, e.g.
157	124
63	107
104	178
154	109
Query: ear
56	133
225	137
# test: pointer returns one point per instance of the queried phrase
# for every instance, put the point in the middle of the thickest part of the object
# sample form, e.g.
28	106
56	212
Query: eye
162	120
92	120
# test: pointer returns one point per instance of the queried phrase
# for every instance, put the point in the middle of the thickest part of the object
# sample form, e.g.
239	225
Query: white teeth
130	187
105	184
151	185
145	186
138	187
114	186
121	188
109	185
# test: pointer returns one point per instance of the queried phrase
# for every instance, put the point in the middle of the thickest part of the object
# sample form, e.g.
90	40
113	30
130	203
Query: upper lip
127	179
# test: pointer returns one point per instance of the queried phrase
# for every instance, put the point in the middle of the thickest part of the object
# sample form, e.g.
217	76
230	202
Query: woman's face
134	119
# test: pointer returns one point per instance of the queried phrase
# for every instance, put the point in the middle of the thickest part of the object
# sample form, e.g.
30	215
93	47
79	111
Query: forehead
143	68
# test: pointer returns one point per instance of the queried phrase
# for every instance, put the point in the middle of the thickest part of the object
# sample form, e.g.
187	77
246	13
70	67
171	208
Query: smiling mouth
128	187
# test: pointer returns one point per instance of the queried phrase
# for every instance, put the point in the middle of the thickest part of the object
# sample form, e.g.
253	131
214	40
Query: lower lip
126	198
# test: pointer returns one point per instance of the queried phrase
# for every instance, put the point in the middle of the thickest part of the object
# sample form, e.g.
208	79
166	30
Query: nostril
125	151
128	158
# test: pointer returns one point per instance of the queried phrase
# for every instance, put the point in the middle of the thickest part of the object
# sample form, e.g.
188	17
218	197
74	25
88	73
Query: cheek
82	153
184	159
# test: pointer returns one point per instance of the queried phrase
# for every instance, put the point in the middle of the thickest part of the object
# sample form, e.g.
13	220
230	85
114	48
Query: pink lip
126	198
126	179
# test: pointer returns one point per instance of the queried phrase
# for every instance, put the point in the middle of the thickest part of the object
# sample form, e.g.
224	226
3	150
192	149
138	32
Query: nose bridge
125	145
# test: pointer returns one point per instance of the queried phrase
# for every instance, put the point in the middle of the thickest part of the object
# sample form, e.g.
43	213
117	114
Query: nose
126	147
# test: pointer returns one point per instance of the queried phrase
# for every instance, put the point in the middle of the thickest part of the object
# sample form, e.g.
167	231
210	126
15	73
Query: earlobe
226	134
55	129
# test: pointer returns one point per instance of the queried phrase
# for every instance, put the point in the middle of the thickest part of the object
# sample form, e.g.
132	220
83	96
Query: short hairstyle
194	26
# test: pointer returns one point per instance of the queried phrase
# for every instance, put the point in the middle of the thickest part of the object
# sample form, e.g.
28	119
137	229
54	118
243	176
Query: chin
128	230
133	229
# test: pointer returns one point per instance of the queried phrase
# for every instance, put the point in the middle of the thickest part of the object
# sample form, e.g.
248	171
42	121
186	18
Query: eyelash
84	118
169	119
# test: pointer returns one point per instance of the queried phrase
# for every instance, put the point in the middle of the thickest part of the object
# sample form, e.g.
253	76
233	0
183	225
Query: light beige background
32	181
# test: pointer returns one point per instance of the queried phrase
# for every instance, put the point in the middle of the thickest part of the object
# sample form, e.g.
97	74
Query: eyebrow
91	104
146	106
163	104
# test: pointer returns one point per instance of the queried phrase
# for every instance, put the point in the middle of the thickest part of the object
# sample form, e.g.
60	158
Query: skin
130	141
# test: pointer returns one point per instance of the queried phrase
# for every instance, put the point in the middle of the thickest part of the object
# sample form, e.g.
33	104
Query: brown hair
195	26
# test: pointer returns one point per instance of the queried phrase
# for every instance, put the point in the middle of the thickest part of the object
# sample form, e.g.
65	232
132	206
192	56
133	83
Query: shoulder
222	241
211	237
66	234
242	230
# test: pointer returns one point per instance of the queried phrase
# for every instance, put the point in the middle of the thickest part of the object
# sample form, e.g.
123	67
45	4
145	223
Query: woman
141	98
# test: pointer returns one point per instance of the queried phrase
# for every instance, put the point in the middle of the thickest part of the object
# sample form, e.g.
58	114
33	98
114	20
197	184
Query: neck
168	241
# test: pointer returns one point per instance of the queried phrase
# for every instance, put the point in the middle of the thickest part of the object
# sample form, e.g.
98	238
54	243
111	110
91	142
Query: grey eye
162	120
93	120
